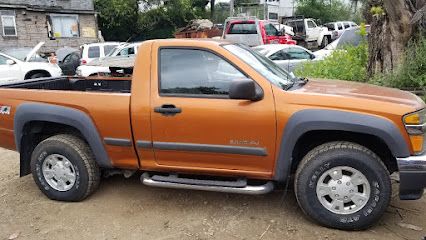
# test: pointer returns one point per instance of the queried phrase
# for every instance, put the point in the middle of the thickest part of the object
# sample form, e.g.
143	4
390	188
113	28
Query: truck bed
96	84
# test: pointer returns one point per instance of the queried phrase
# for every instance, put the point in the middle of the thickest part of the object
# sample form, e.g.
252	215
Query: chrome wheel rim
343	190
59	172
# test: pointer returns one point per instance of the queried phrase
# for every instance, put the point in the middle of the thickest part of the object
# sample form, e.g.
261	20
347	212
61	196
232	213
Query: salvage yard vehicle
18	64
217	116
254	32
92	51
307	33
288	57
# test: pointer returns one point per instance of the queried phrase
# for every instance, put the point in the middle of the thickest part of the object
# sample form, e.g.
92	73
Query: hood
33	51
362	91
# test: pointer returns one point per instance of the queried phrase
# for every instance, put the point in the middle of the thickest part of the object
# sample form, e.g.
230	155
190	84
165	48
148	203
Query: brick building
58	23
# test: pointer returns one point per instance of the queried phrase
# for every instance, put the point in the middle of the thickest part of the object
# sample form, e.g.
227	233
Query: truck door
196	127
312	31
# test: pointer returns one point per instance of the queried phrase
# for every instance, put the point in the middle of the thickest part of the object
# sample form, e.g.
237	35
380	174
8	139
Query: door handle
168	110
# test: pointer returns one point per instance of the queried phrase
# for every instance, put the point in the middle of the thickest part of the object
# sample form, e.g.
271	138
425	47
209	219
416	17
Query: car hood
33	51
362	91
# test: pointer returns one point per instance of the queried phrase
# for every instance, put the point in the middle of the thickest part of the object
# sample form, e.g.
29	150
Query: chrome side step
205	185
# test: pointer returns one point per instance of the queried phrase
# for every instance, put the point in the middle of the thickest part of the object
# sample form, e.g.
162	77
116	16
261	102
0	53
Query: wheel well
312	139
32	72
35	132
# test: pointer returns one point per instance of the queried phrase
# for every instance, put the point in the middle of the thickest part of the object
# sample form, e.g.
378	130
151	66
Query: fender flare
318	119
29	112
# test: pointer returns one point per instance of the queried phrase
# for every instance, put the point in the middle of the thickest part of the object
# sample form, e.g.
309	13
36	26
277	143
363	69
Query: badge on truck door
5	110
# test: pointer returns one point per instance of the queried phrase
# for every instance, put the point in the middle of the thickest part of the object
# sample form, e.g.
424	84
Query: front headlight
415	123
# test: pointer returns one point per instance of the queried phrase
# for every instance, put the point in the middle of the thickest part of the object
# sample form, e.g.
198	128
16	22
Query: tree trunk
390	34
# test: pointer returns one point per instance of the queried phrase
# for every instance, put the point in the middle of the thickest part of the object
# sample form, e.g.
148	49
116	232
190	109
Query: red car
254	32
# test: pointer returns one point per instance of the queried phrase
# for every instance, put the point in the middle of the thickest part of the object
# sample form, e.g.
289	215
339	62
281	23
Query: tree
394	23
118	18
325	11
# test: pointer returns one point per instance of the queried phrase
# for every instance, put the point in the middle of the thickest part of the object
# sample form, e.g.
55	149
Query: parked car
254	32
216	116
337	28
286	56
18	64
307	33
350	37
70	63
92	51
98	66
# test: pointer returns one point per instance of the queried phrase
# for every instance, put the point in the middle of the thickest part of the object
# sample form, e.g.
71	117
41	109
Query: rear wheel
343	185
325	41
64	168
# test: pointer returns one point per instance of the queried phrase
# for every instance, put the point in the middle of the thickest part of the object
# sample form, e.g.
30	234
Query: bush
347	64
412	73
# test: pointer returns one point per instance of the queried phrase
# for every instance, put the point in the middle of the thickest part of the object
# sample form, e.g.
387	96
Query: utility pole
231	8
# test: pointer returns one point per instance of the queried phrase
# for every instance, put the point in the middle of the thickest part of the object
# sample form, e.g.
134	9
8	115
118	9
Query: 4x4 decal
5	110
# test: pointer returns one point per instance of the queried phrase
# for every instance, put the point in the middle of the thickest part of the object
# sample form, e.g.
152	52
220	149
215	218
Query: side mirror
10	62
245	89
313	56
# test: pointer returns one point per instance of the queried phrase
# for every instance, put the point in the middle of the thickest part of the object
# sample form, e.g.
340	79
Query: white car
286	56
19	64
337	28
92	51
97	66
350	37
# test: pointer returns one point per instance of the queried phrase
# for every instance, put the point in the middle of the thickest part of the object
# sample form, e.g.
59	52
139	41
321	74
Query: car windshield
263	65
111	53
349	37
21	54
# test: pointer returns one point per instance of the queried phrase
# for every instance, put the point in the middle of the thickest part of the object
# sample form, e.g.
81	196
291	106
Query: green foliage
325	11
117	18
412	73
377	11
121	20
347	64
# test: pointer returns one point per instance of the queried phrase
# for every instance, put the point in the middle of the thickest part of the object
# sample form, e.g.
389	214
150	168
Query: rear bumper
412	172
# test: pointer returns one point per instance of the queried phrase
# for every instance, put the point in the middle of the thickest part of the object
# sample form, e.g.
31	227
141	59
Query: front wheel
64	168
343	185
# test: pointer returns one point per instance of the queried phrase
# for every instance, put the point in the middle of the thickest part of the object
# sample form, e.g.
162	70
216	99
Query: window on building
64	26
8	23
273	16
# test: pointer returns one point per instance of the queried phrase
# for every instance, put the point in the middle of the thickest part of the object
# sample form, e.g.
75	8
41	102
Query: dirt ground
126	209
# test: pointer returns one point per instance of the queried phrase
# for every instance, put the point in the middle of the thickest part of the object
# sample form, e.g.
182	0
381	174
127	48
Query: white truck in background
307	32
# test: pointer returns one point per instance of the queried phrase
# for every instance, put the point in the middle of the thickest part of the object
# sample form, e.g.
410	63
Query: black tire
325	41
78	153
37	75
337	154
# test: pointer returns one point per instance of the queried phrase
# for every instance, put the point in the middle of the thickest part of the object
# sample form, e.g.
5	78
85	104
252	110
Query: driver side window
297	53
195	72
3	60
279	56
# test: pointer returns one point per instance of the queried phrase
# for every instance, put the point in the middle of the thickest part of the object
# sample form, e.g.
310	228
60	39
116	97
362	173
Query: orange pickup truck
216	116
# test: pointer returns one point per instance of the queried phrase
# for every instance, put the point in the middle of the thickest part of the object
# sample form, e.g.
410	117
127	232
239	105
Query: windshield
263	65
350	37
21	54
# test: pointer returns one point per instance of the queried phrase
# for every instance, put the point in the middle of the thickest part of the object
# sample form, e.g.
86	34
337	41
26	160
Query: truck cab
308	33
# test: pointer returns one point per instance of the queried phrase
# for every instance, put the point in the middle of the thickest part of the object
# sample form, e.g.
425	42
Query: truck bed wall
108	111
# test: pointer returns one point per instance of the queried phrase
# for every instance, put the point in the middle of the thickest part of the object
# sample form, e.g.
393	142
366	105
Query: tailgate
248	39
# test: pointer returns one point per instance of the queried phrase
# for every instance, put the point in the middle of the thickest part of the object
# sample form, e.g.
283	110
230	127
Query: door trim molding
195	147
